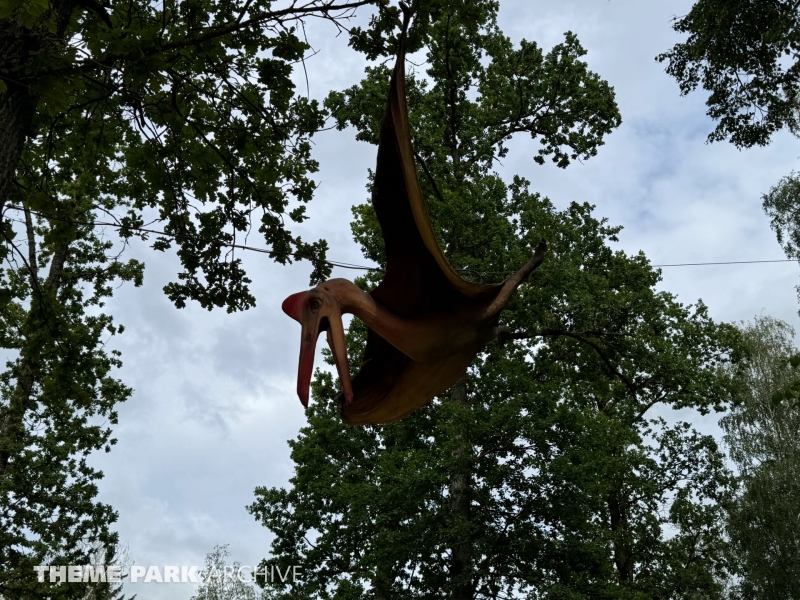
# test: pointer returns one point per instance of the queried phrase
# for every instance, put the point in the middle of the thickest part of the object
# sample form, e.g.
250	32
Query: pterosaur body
425	323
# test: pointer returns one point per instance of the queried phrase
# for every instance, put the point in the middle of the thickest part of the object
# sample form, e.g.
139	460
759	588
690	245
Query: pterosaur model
426	323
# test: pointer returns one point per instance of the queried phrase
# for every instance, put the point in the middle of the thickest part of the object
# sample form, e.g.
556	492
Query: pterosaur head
318	310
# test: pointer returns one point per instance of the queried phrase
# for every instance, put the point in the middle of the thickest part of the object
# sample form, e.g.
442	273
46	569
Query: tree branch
506	333
292	13
428	174
33	266
97	9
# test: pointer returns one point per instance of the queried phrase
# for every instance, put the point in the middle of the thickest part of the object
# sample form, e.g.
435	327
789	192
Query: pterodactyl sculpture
426	323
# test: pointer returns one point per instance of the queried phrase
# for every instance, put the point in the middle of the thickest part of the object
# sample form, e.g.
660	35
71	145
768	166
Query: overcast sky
214	400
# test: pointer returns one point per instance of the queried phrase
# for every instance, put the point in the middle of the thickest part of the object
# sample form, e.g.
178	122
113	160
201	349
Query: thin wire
732	262
217	241
343	265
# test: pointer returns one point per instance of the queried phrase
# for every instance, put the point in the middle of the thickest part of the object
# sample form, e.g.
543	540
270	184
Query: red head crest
293	305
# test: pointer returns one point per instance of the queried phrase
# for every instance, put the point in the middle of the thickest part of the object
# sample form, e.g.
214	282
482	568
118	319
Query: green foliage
188	114
57	398
544	473
554	98
744	53
763	432
763	525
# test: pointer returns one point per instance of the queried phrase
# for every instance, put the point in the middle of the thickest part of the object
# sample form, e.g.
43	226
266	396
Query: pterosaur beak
338	347
316	313
294	306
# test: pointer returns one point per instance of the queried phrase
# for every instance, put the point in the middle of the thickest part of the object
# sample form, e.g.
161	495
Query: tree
181	113
745	54
543	472
58	398
763	433
222	581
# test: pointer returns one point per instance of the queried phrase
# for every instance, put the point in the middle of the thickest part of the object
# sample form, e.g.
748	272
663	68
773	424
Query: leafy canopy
182	112
744	53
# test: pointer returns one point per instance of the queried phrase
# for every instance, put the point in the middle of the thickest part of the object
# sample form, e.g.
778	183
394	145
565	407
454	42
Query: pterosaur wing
418	276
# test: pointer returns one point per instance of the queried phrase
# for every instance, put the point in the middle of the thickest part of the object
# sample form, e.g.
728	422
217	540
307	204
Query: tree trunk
17	103
623	554
27	371
460	500
23	51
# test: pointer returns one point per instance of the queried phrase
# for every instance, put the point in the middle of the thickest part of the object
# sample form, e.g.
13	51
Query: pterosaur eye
315	303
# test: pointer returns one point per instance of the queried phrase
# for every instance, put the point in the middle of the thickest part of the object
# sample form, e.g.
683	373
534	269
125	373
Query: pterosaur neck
351	298
356	301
